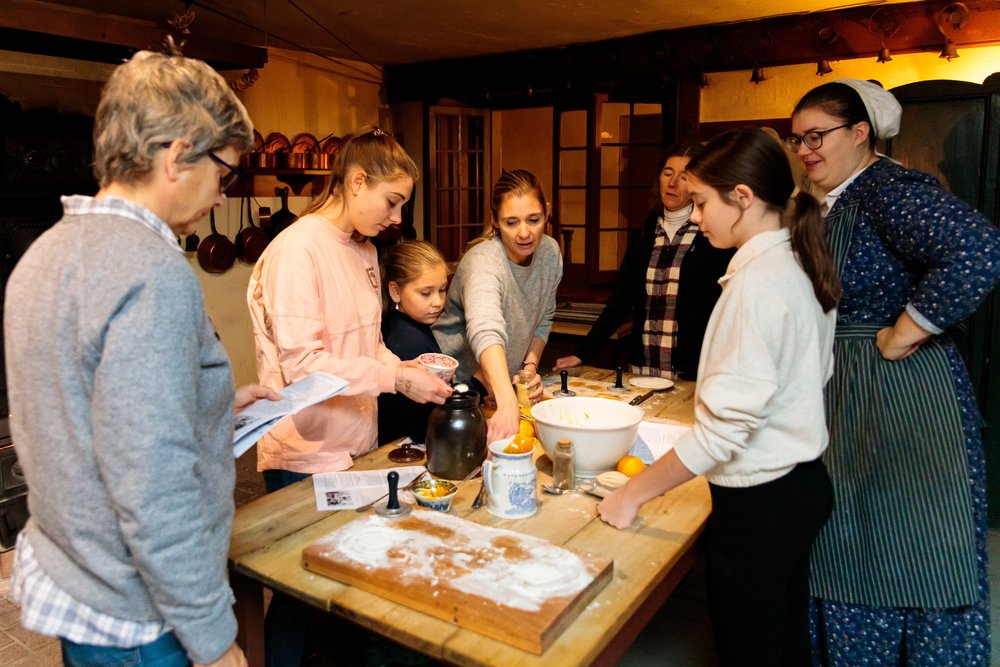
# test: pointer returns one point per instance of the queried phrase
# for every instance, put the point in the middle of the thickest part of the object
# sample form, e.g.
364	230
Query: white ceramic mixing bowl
602	430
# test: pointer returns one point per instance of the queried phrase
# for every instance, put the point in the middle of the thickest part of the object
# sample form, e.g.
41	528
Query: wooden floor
679	635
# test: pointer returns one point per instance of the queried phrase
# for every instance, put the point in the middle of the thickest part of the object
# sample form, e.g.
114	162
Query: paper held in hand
259	418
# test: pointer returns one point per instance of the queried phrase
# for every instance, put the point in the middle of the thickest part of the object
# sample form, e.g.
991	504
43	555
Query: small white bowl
433	501
602	430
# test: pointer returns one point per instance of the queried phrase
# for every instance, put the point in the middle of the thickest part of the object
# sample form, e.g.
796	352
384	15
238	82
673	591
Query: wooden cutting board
518	589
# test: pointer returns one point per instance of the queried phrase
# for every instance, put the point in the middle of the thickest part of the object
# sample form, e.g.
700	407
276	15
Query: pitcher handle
488	467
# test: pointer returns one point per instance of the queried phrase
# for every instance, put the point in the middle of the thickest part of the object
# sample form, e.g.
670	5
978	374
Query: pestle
618	387
564	389
392	509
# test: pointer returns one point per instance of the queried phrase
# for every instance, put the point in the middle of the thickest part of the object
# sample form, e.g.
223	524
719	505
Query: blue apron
902	532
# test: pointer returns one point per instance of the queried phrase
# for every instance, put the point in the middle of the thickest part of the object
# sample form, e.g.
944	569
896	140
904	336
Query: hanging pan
250	240
216	253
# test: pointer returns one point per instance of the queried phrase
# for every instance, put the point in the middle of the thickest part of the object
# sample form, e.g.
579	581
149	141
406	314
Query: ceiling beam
644	64
49	29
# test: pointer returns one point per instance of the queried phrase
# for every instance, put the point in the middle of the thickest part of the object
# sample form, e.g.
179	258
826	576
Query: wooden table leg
249	610
615	649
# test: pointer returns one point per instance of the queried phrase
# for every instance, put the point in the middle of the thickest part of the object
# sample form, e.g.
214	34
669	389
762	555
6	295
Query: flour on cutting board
505	567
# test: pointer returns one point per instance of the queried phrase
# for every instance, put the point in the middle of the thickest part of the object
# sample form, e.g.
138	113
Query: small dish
435	494
651	382
611	479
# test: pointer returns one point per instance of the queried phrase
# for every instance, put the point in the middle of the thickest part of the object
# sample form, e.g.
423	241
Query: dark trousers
757	566
286	618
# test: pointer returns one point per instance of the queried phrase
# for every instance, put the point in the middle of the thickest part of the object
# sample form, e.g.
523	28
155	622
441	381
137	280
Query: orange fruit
520	444
526	429
631	466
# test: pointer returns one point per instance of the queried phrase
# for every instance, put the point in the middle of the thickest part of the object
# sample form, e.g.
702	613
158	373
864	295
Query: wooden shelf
296	179
283	171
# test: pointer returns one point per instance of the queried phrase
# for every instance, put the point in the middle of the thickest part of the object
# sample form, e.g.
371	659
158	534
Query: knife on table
639	399
478	502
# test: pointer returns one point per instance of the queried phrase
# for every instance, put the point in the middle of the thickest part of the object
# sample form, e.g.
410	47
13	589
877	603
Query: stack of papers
259	418
352	489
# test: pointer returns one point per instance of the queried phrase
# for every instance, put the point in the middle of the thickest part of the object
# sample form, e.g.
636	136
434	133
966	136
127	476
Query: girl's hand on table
562	363
617	510
249	394
504	422
420	385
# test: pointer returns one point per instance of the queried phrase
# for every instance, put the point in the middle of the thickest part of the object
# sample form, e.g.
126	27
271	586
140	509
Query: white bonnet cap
883	108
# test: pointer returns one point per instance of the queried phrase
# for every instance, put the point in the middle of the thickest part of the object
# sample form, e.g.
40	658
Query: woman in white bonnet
899	572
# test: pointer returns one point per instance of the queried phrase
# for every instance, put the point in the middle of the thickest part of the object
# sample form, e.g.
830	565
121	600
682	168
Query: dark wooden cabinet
951	129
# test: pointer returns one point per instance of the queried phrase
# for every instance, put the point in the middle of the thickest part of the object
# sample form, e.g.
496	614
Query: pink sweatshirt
316	305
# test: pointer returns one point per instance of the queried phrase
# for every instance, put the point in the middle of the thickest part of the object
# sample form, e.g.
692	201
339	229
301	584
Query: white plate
651	382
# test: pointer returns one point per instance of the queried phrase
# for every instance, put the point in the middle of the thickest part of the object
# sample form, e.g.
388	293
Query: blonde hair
514	183
154	99
405	263
373	151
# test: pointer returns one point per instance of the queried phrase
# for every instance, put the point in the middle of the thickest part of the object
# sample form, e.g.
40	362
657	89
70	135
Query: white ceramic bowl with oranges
602	430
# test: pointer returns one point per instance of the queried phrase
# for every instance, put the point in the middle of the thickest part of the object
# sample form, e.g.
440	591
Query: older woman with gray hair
121	393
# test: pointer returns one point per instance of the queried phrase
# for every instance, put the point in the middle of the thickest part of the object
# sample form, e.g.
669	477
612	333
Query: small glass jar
563	470
522	380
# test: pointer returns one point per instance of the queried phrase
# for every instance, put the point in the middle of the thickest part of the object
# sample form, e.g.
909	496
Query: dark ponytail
751	157
805	224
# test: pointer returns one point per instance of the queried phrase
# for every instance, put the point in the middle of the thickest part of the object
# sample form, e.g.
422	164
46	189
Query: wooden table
650	559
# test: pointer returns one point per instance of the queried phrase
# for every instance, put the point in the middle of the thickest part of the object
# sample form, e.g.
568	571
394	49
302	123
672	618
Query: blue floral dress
900	240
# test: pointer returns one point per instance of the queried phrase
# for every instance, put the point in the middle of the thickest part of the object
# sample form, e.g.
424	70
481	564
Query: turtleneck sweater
671	221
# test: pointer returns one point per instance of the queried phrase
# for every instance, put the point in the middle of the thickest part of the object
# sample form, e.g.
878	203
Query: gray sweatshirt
492	300
121	407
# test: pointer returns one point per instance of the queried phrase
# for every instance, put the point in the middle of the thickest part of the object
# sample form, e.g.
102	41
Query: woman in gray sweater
121	393
503	296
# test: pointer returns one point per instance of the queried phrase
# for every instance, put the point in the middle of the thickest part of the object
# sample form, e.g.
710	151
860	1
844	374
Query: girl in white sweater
759	428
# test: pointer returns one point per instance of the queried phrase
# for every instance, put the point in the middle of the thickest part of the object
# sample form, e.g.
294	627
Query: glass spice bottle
524	377
563	471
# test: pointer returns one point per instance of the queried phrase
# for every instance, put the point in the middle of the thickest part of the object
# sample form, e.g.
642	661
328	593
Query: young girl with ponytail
760	427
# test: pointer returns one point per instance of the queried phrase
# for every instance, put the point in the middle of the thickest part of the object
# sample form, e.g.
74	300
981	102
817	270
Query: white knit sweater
768	353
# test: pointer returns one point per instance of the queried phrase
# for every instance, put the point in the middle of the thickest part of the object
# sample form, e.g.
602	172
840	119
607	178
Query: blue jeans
286	618
164	652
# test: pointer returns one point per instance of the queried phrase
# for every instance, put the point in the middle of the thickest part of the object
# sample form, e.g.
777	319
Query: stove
45	154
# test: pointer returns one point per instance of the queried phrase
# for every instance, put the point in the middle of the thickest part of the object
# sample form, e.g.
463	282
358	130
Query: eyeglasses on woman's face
226	180
812	140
